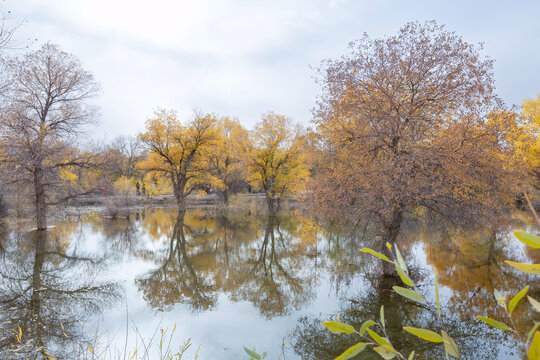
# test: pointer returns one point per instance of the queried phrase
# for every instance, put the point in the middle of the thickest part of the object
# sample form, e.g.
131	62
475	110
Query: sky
244	58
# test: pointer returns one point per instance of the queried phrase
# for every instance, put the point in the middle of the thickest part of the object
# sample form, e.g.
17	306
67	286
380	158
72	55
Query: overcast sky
243	58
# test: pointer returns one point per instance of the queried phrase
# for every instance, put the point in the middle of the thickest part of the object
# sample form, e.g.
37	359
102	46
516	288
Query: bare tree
123	155
44	111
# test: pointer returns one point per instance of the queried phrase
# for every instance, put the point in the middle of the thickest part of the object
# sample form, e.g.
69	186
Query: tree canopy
179	151
276	164
408	121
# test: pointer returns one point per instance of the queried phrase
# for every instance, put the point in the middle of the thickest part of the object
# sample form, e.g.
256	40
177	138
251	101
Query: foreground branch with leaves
382	344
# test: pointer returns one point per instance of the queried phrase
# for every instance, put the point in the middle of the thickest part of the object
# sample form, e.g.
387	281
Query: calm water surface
229	279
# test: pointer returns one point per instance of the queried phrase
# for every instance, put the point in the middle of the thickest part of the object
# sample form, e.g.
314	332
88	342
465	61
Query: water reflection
177	280
251	259
49	290
470	263
312	341
277	276
288	267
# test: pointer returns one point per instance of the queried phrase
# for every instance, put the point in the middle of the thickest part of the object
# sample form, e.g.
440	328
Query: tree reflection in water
211	253
177	280
277	274
278	264
50	291
470	263
311	340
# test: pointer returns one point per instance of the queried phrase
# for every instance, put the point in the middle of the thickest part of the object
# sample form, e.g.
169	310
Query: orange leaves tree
179	152
412	121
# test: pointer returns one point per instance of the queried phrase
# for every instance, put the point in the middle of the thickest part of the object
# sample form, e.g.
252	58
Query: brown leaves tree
412	121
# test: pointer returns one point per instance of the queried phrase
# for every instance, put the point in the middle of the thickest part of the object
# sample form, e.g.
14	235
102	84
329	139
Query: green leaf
411	356
336	326
529	239
365	325
495	323
437	292
450	345
385	353
424	334
531	333
378	339
528	268
352	351
252	353
382	315
409	294
400	260
515	300
534	350
374	253
403	275
534	303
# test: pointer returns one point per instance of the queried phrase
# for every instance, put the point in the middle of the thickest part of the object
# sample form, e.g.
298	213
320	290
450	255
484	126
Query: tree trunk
179	185
41	206
181	203
273	207
491	259
226	196
391	229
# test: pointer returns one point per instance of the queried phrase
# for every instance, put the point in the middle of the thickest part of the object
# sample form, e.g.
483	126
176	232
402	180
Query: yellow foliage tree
179	151
276	164
531	111
157	184
124	186
226	160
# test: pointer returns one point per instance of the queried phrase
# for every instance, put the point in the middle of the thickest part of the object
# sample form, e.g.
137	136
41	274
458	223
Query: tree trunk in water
491	253
178	187
390	233
272	206
226	196
36	326
181	202
41	206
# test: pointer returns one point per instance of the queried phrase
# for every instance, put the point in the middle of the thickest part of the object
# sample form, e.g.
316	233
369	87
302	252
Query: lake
226	279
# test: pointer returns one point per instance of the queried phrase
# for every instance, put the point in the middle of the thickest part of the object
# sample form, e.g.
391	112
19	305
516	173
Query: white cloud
332	4
242	57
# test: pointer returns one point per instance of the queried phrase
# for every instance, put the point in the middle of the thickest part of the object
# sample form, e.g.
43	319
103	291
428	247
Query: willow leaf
529	239
339	327
409	294
377	254
515	300
424	334
352	351
528	268
403	275
495	323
